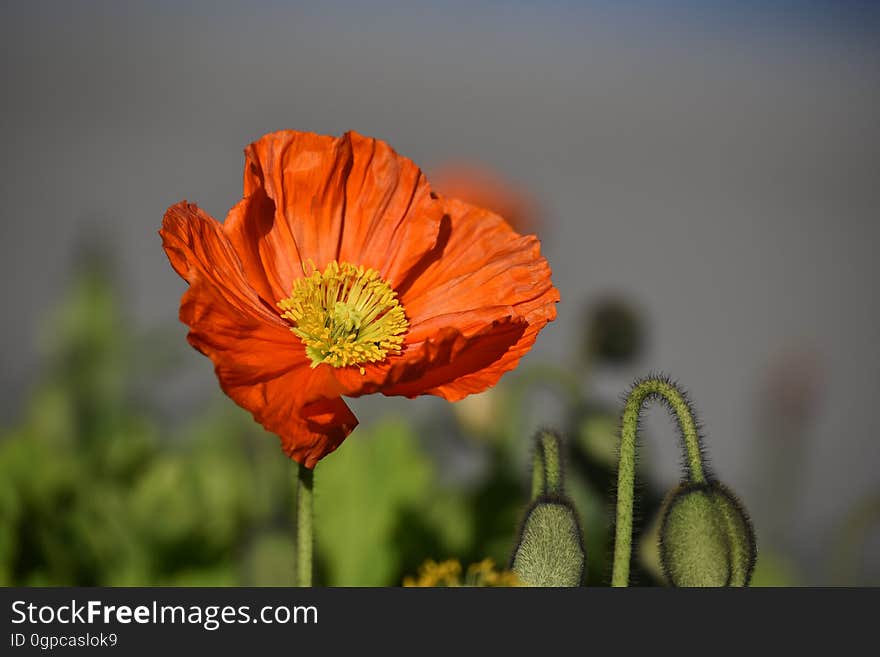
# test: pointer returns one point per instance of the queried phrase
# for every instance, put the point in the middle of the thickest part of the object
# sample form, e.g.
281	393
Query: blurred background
705	180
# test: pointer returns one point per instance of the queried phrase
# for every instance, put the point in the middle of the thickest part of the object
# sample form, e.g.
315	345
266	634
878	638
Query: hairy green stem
641	393
304	525
546	465
537	477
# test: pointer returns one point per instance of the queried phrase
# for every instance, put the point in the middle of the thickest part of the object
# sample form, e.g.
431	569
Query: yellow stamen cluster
346	315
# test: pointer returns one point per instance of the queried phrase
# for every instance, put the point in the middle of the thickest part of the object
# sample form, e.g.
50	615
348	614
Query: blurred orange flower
341	273
483	187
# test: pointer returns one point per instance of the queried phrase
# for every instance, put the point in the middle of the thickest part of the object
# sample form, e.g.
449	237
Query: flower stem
642	392
546	465
304	525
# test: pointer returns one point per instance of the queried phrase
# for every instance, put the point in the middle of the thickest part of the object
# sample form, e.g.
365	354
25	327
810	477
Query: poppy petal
392	218
304	176
443	357
484	273
309	426
350	199
258	361
267	265
452	356
199	251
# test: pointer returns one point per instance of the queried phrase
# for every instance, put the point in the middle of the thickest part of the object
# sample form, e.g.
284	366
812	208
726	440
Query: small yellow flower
448	573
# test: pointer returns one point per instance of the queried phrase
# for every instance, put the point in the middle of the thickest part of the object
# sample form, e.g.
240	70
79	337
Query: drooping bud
693	546
550	550
706	538
740	534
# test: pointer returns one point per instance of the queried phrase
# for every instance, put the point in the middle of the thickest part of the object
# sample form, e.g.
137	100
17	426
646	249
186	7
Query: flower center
345	315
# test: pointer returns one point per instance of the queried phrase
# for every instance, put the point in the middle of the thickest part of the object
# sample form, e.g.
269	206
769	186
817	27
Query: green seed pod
706	538
550	550
547	464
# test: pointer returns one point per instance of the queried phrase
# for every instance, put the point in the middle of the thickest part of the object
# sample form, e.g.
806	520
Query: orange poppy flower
341	273
482	186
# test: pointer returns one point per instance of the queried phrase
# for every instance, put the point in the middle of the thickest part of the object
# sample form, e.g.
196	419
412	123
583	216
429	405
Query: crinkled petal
480	273
258	361
310	425
445	356
265	258
452	357
350	199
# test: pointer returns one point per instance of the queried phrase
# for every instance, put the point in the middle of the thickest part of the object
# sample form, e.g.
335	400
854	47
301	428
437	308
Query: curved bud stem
642	392
304	525
546	465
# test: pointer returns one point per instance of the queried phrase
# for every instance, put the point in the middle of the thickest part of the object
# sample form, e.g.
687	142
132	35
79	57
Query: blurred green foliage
99	486
378	505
